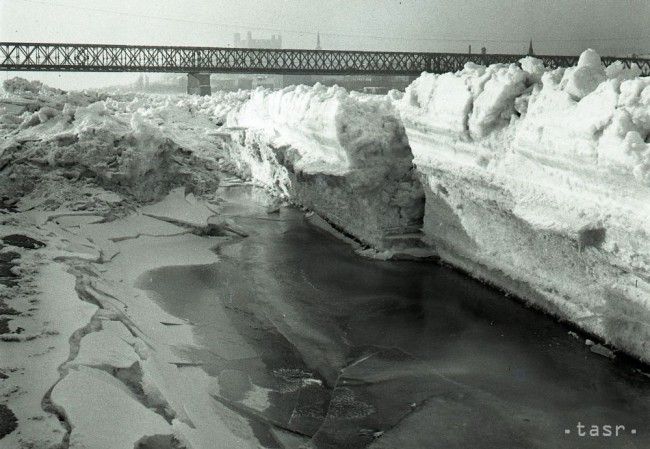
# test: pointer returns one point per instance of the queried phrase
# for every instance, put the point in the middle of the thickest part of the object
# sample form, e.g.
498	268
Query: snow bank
324	148
593	116
537	180
469	103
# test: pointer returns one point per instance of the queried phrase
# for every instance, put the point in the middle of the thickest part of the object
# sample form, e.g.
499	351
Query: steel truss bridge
130	58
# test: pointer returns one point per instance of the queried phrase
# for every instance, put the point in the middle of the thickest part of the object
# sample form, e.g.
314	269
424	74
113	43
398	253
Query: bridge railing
128	58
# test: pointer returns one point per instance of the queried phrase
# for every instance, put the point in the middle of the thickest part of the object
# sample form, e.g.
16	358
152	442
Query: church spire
530	48
318	47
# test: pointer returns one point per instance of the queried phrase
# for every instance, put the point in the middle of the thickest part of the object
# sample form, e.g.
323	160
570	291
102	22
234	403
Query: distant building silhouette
483	50
249	42
470	49
318	46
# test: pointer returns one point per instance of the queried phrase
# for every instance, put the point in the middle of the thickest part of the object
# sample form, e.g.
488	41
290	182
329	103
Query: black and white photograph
337	224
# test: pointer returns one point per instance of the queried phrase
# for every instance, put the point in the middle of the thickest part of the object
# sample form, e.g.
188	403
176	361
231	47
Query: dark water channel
317	345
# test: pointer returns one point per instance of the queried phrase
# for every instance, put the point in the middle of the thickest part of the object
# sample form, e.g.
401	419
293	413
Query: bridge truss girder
127	58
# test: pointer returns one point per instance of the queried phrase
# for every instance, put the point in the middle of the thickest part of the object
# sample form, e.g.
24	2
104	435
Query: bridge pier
198	84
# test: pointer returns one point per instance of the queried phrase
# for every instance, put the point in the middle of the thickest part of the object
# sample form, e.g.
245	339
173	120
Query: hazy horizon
557	27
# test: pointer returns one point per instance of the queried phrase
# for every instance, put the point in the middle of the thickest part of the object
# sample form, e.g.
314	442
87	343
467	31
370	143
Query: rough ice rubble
471	102
122	143
594	113
591	115
537	180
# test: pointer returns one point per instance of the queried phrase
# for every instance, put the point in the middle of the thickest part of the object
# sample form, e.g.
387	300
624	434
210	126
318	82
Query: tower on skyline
318	46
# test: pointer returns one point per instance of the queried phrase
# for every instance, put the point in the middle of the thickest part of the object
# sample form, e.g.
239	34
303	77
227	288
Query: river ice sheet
312	342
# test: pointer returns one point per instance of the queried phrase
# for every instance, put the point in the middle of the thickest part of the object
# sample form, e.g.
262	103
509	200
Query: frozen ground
533	180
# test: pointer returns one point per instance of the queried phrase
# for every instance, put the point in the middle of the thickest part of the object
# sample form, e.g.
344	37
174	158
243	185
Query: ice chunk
582	80
602	350
495	104
112	346
102	412
620	71
533	67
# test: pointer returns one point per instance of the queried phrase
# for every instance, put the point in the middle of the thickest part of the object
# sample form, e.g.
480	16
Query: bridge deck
129	58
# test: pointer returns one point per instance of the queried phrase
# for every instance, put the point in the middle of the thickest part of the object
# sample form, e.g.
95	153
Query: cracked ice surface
58	314
122	377
77	375
101	411
411	349
111	346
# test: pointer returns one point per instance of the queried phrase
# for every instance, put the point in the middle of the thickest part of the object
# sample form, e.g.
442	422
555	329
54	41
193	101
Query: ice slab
111	346
180	208
102	412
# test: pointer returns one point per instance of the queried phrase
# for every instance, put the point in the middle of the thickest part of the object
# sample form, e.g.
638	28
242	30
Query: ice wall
343	156
538	181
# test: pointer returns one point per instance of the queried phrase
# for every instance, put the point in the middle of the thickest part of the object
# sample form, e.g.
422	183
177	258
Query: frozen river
312	342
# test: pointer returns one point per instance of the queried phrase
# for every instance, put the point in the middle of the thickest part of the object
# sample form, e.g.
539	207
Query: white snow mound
331	131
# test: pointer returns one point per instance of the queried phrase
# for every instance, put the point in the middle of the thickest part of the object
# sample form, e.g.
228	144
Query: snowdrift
538	181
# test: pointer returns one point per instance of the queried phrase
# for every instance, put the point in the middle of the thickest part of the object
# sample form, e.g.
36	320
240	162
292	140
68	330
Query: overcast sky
556	26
